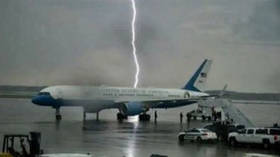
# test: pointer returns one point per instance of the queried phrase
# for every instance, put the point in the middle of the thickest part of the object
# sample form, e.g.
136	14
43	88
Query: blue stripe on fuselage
46	100
172	104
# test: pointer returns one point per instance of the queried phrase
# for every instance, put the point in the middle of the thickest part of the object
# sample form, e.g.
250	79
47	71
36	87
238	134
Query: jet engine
133	108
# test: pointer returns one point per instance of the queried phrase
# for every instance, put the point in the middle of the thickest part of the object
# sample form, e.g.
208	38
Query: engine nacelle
133	108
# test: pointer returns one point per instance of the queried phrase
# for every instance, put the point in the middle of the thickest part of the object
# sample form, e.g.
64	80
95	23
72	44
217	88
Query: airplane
129	101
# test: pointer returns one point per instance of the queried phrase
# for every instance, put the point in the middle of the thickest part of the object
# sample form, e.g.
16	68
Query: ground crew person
188	119
181	117
155	116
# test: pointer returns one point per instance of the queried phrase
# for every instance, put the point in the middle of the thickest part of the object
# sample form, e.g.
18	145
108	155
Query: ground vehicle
200	114
19	145
222	129
32	142
264	136
197	134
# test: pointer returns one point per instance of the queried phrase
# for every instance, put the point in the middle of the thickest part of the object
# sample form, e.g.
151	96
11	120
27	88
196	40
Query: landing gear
203	117
121	116
84	116
144	117
97	116
58	116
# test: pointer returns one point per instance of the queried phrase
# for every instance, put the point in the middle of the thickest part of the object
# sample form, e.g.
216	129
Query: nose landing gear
121	117
58	116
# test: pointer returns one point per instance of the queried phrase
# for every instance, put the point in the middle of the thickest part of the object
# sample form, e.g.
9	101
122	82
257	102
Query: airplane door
186	95
59	93
249	137
242	134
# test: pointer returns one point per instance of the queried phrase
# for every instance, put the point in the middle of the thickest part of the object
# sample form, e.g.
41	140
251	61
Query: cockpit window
44	93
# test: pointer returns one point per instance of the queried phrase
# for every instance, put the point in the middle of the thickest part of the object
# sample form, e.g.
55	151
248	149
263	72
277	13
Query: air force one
129	101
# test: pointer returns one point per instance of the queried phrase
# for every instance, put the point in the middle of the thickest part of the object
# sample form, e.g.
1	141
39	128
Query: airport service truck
264	136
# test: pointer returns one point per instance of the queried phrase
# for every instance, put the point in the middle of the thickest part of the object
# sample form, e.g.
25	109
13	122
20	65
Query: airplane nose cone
44	100
36	100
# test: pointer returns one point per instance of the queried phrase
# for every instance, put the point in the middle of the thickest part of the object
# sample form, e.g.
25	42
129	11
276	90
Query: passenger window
194	130
261	131
274	131
44	93
240	126
250	131
242	131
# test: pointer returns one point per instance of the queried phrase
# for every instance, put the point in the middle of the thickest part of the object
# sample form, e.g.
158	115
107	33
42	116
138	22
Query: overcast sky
87	42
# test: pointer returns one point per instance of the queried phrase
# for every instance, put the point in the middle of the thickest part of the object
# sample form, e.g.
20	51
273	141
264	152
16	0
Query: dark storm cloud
273	81
46	42
263	24
195	30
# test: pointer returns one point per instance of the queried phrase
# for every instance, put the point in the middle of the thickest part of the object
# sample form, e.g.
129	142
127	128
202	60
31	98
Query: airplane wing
228	108
154	102
167	103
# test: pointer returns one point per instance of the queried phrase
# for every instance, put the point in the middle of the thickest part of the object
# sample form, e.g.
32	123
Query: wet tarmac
109	138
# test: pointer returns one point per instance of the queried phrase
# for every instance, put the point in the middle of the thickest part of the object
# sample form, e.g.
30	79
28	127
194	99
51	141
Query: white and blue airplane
129	101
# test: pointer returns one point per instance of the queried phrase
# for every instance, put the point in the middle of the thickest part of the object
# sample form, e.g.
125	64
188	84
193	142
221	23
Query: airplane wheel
58	117
148	117
125	117
232	142
198	139
121	117
181	138
144	117
141	117
266	144
203	117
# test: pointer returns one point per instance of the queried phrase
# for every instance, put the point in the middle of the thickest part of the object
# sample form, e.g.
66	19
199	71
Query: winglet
222	93
198	80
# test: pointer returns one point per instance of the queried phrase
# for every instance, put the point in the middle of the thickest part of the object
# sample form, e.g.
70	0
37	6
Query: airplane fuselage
94	99
129	101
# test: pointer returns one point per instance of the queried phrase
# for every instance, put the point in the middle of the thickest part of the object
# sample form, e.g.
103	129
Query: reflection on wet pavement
107	137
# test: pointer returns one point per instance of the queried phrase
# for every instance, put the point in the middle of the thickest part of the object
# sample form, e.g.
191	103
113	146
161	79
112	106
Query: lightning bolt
133	44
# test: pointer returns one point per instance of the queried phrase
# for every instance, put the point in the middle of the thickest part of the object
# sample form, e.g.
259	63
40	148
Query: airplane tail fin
198	80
